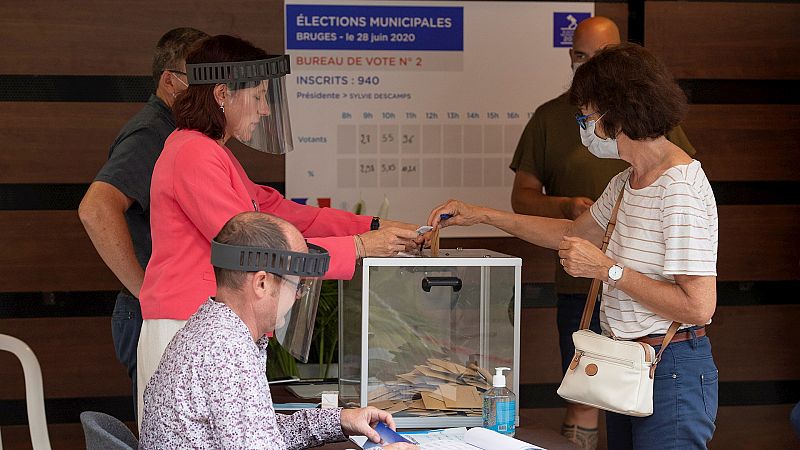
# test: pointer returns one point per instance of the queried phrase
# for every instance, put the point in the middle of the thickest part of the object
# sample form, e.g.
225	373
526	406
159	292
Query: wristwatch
375	224
615	274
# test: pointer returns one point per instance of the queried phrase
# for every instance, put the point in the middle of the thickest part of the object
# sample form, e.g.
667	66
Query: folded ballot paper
455	439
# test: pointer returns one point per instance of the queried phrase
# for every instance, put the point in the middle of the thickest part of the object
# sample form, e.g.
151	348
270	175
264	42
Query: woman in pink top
198	185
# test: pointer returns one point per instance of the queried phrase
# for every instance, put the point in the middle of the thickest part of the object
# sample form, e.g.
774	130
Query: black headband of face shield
238	71
280	262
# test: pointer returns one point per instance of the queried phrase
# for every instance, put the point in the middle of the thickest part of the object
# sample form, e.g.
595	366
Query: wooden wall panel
750	342
746	142
618	12
540	358
69	142
117	38
49	251
759	242
737	40
63	436
58	142
762	426
76	355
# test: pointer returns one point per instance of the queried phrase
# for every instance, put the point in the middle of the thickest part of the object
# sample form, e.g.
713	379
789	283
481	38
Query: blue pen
445	216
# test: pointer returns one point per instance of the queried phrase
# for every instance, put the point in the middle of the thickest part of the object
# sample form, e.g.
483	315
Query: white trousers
153	340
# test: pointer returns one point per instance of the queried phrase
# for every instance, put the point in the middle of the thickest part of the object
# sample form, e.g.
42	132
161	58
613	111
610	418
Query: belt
679	337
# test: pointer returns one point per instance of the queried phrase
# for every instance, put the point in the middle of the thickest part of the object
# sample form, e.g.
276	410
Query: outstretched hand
459	213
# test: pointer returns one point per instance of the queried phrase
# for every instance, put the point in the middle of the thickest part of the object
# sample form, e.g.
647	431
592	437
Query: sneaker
585	438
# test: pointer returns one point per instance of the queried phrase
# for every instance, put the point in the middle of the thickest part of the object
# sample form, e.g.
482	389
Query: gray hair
172	48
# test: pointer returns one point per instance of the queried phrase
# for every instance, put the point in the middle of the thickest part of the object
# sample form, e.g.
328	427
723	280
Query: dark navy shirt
130	167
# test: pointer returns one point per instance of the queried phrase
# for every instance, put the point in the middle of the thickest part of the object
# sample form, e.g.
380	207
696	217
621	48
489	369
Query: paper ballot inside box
420	337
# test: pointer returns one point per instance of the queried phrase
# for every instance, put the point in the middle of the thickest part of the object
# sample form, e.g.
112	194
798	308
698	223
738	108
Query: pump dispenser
500	405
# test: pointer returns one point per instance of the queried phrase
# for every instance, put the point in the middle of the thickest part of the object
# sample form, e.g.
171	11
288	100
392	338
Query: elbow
88	213
703	313
704	317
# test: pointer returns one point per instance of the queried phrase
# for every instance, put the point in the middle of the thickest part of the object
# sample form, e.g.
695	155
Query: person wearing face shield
660	264
555	176
209	390
236	91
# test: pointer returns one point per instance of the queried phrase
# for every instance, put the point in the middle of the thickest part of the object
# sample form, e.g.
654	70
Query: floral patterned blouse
211	391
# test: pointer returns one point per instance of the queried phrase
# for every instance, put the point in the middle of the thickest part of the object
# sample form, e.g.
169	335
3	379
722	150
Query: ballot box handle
453	282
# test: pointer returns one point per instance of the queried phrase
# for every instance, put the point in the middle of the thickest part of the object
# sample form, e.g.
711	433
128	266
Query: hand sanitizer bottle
499	405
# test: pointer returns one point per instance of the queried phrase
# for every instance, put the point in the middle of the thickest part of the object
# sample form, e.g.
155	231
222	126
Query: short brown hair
195	108
634	90
172	48
252	229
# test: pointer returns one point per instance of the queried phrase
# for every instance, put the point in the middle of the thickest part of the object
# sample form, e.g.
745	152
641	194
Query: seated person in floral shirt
210	389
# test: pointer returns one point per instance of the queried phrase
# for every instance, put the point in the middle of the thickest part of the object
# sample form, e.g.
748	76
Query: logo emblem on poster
564	24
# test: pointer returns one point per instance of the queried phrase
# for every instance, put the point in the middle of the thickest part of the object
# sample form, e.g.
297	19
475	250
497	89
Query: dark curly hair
634	90
195	108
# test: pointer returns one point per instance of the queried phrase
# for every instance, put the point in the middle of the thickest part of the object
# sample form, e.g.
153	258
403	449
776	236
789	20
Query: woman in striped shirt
660	265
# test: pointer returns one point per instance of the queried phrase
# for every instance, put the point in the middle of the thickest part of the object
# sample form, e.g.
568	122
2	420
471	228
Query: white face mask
599	147
575	66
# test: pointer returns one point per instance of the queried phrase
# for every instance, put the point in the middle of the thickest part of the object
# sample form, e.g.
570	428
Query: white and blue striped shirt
665	229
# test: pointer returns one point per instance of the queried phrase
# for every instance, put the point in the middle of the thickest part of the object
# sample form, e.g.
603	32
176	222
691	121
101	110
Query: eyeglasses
302	286
582	119
179	72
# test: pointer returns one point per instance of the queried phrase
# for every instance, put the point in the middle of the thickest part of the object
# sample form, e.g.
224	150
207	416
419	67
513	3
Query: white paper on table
461	439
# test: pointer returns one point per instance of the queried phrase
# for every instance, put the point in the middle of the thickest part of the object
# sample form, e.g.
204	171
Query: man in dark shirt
116	208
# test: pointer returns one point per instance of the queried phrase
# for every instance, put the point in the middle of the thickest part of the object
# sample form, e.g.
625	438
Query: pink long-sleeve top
197	186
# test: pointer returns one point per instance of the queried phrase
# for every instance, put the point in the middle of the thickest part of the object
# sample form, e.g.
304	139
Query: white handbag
607	373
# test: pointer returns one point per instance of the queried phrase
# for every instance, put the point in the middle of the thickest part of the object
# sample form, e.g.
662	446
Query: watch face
615	273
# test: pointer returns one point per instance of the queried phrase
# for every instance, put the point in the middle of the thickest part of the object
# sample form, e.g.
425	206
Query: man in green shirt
550	155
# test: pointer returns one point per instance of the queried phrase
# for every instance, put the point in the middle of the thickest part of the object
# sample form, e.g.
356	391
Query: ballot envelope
421	336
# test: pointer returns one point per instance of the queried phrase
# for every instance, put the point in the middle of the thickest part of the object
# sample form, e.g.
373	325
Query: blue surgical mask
599	147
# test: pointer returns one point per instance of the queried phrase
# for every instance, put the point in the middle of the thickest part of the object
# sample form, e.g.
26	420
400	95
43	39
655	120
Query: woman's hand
389	241
581	258
460	214
418	241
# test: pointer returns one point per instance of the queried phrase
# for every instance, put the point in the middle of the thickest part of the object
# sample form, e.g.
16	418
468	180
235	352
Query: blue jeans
685	397
568	318
126	324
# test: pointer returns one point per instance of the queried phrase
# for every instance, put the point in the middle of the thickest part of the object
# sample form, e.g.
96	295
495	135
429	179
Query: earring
222	107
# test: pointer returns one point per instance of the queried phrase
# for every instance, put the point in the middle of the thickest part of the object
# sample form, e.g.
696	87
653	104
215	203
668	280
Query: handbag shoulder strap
591	298
588	309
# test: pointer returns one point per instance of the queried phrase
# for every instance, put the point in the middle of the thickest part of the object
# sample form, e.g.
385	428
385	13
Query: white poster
412	103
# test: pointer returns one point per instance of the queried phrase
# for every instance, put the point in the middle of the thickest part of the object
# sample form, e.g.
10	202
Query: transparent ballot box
421	336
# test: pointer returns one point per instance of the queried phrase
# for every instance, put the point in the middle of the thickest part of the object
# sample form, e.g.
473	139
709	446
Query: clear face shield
256	107
298	294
